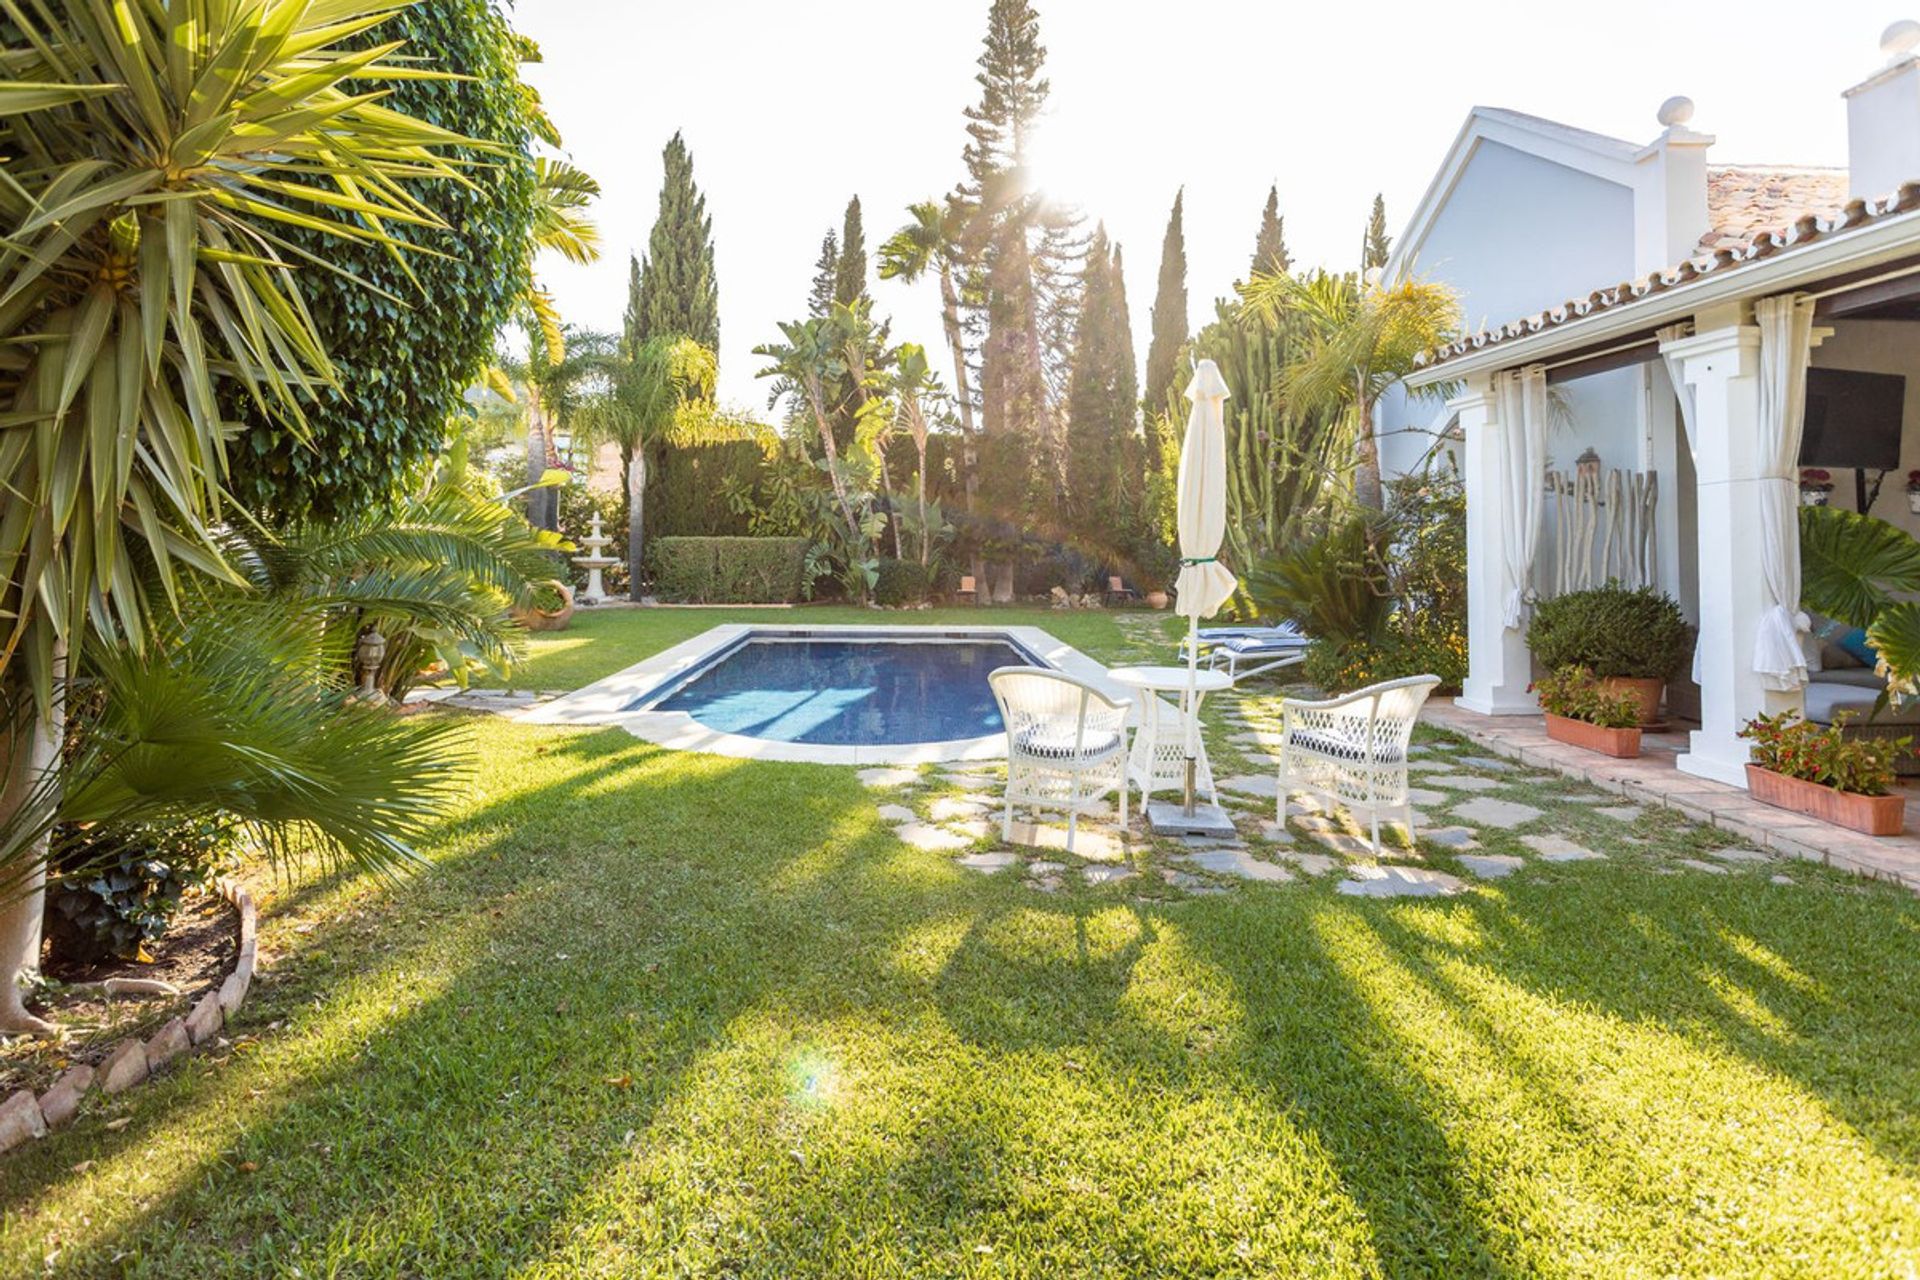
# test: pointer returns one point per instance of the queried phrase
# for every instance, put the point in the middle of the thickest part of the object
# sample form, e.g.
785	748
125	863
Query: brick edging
24	1116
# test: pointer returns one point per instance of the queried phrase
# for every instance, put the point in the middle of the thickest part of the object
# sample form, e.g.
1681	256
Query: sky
792	106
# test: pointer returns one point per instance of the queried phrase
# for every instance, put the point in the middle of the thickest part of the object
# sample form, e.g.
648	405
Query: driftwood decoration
1603	529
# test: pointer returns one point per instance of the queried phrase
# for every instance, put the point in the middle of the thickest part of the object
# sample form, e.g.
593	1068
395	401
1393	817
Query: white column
1660	445
1723	367
1499	668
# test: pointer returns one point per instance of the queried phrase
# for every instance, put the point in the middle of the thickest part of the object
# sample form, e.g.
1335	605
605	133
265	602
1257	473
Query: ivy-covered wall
403	360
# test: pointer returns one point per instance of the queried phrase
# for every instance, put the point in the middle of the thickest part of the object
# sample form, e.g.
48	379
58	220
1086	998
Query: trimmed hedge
902	582
1636	634
727	570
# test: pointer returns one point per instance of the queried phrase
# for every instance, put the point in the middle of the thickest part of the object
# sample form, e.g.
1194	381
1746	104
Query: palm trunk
543	505
838	481
35	755
635	478
963	392
920	494
1366	468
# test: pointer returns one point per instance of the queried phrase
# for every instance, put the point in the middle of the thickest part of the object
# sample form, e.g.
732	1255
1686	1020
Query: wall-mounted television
1853	419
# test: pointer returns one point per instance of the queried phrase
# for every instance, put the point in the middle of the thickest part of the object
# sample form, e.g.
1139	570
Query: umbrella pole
1193	667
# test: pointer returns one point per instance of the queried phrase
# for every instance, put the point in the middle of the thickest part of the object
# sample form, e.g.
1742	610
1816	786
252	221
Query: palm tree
932	242
658	393
817	352
561	193
154	150
915	383
1364	338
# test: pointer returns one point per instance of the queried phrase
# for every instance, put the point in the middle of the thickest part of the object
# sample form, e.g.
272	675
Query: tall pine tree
1102	401
826	270
850	269
678	294
1270	257
1378	244
1169	325
1021	277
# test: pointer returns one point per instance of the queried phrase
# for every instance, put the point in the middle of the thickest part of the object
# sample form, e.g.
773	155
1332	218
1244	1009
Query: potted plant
1632	639
1816	487
1582	712
549	609
1819	771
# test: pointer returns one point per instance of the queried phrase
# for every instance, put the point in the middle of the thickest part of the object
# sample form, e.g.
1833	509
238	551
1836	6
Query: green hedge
901	582
727	570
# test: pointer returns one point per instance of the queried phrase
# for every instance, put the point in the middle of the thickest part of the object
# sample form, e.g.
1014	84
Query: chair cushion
1055	742
1340	747
1263	644
1858	677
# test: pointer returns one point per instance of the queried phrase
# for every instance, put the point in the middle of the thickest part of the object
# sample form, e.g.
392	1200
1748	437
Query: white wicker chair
1066	744
1352	750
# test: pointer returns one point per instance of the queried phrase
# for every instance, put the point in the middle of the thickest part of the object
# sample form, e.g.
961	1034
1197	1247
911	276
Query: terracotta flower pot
1621	743
1872	815
549	619
1156	599
1646	691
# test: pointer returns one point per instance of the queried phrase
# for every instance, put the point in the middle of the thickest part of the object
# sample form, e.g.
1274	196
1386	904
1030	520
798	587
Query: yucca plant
155	156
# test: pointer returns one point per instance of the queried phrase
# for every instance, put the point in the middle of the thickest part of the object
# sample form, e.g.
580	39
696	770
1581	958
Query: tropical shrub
728	570
1575	693
1864	572
901	582
406	346
1787	744
1637	634
111	891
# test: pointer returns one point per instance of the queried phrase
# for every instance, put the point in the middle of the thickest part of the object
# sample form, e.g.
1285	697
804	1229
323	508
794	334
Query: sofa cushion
1855	643
1858	677
1826	699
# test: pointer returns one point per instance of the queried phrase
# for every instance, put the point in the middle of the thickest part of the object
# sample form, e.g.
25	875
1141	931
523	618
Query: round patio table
1159	756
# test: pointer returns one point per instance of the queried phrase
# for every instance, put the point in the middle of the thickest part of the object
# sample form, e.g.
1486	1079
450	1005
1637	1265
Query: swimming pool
846	690
871	703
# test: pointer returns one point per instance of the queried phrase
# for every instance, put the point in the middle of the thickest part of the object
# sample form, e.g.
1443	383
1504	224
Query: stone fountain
594	562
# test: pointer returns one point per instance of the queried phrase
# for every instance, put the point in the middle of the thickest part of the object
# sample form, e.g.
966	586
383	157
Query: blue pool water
849	692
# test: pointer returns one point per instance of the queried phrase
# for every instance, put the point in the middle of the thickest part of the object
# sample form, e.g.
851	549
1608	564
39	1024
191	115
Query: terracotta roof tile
1745	200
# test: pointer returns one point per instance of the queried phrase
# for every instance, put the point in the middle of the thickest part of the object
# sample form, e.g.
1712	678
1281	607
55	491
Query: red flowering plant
1787	744
1815	478
1577	694
1913	482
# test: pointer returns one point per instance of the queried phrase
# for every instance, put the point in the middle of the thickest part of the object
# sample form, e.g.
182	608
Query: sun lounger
1250	651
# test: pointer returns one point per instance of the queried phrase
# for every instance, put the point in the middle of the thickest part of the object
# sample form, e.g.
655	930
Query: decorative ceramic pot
1622	743
555	619
1871	815
1156	599
1647	692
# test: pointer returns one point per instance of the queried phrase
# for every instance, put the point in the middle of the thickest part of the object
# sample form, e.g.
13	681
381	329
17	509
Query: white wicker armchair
1352	750
1066	744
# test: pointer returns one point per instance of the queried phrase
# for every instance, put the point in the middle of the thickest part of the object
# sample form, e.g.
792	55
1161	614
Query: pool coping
604	703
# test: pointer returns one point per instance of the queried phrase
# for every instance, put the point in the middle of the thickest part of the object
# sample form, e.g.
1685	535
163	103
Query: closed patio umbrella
1204	583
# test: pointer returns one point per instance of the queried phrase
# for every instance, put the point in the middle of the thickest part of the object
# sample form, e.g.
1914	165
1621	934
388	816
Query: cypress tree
678	294
1102	399
826	269
1270	257
1169	324
1378	243
850	269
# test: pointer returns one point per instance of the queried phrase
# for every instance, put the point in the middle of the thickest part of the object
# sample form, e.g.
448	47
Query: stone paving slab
1313	864
1711	868
1460	838
1188	881
1399	882
1238	863
883	778
1621	812
1490	764
1464	782
1099	875
1738	855
987	863
1491	866
953	808
972	781
1090	843
1505	814
1264	785
896	813
1560	849
922	835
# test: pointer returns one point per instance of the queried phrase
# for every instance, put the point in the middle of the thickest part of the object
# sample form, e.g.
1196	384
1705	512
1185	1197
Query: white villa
1649	316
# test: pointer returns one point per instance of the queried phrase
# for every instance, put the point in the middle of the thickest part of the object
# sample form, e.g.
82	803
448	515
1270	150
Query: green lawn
650	1013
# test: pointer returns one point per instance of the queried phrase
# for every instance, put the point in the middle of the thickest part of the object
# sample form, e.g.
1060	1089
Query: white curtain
1786	344
1683	393
1523	489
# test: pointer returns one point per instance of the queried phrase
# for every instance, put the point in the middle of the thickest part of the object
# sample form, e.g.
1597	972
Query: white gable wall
1515	234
